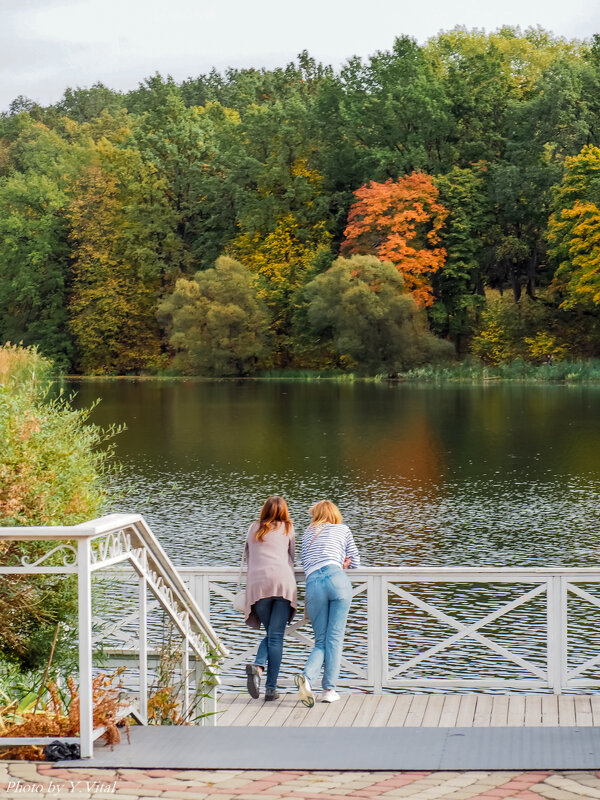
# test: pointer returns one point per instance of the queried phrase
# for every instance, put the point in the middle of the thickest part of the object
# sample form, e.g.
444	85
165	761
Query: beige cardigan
270	569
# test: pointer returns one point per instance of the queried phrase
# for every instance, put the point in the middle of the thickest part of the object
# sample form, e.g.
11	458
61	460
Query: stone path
20	779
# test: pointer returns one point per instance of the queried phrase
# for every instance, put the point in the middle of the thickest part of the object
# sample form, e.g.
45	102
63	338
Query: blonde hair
324	512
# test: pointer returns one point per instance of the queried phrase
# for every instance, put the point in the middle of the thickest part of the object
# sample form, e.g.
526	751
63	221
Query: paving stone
553	792
571	785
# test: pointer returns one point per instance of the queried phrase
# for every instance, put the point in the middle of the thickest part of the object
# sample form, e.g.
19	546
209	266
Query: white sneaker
304	690
329	696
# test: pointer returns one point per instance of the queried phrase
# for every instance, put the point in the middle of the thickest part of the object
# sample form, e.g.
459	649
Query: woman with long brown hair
271	598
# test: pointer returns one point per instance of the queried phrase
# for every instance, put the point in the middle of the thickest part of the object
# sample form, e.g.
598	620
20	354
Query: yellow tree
574	231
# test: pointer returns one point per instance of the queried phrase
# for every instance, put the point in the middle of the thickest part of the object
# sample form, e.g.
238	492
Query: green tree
360	309
217	323
458	285
34	250
119	233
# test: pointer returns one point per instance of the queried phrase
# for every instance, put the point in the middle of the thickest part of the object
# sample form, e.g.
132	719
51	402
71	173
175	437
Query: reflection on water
500	475
504	475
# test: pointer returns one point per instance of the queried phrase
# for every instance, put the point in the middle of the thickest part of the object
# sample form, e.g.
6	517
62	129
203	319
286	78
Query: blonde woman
270	590
328	549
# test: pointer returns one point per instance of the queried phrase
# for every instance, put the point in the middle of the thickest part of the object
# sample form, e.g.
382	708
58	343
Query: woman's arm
352	556
292	547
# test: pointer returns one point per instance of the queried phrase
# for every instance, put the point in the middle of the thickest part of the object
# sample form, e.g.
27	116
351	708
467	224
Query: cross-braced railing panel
515	635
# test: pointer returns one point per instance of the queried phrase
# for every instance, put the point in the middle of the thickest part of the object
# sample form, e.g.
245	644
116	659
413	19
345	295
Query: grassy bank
558	372
465	372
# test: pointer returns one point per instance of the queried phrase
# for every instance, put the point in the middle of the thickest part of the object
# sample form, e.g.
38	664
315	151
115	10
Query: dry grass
60	718
21	363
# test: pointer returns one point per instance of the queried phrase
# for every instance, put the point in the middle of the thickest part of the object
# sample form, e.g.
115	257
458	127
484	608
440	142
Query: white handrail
555	669
118	539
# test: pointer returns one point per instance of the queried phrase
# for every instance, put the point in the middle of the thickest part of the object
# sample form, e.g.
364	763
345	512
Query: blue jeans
274	613
328	596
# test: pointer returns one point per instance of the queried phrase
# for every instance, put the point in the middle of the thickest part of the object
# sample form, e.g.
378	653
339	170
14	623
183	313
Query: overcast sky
47	45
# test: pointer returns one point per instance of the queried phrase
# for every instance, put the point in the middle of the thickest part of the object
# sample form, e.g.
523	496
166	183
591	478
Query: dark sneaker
271	694
253	680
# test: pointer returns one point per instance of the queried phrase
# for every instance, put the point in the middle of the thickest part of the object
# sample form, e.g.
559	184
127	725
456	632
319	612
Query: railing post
185	677
143	648
84	602
377	631
200	590
557	633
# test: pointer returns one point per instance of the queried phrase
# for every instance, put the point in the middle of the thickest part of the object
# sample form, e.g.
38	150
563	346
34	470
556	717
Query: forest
428	204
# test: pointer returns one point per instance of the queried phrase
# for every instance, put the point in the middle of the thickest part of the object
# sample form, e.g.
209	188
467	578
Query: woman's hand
346	563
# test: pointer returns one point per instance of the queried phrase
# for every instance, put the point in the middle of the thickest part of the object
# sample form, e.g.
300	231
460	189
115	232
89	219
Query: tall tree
400	221
574	231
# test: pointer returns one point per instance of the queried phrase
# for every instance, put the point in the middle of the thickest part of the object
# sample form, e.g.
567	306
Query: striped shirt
331	546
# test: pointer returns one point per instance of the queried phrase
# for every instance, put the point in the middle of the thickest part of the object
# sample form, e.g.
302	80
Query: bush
360	310
218	325
509	330
53	470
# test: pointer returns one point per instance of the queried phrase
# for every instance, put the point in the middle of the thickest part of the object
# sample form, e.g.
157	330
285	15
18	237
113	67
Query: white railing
114	542
540	652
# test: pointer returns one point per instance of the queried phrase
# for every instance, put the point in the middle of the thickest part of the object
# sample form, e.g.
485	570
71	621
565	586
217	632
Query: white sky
47	45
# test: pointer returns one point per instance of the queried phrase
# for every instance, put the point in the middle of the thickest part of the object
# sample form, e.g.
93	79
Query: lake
425	475
499	474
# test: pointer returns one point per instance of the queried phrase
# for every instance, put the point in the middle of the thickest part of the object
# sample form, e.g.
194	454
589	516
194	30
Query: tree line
427	201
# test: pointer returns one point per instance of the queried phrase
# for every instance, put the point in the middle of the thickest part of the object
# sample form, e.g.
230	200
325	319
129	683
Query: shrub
217	323
360	310
54	466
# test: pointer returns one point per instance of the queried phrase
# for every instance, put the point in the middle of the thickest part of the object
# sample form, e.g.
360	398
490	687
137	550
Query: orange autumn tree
400	221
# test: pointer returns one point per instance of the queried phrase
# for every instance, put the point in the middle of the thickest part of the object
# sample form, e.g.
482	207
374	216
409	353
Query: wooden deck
414	710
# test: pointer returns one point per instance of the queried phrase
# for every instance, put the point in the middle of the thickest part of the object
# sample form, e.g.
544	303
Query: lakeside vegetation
428	204
54	470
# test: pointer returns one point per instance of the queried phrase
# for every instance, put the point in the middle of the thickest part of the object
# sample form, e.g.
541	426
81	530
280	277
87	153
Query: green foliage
218	325
106	199
525	330
54	466
359	308
458	286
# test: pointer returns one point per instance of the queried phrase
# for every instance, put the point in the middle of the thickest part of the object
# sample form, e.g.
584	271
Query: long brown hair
274	510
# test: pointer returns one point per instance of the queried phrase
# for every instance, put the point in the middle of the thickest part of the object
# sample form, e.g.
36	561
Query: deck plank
349	711
583	710
483	711
367	710
516	711
549	710
413	710
384	709
533	710
466	711
500	704
433	712
566	709
595	703
331	715
450	711
400	709
232	706
283	711
415	715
